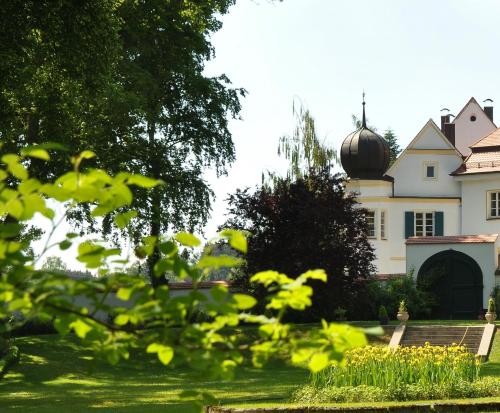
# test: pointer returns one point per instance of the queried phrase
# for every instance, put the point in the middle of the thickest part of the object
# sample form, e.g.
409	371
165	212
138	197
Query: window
424	224
383	234
494	204
430	170
473	118
370	218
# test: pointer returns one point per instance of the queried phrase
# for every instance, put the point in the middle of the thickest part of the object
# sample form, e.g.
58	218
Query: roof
492	139
203	284
454	239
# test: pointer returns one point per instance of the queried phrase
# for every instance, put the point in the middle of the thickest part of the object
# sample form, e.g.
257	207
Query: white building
436	211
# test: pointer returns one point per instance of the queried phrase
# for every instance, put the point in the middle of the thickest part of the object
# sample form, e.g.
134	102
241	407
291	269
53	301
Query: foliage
340	314
153	322
141	100
459	389
402	306
54	263
390	293
303	224
304	150
394	148
382	315
8	358
385	367
491	305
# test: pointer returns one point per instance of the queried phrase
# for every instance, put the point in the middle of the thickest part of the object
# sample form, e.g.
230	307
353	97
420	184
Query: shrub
340	314
453	389
382	315
491	305
420	303
10	358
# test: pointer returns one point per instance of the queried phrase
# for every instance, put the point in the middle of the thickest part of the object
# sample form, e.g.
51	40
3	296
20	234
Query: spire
363	124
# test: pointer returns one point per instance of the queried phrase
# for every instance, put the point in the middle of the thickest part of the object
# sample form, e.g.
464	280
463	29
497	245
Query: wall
112	300
409	176
391	253
468	132
483	254
474	203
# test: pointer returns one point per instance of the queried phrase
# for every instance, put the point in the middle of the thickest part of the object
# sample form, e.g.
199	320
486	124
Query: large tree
124	79
394	148
306	223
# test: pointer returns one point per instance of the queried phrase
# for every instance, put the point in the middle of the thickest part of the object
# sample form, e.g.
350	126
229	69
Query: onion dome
364	154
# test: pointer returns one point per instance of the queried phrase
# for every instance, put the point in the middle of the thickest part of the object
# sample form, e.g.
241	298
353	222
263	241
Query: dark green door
456	281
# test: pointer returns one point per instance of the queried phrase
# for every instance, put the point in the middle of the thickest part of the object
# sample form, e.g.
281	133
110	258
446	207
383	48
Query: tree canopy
306	223
126	80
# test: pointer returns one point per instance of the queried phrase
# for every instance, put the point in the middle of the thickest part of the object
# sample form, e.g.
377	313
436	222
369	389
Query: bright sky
411	57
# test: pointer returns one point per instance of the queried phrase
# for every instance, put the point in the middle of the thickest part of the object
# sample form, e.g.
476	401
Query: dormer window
430	170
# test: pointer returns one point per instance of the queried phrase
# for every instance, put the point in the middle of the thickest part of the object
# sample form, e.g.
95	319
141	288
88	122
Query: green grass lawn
57	375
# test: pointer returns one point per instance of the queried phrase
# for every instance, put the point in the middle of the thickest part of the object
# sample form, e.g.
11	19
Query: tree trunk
155	224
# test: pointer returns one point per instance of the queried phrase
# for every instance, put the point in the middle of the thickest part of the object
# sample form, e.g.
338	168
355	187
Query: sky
412	58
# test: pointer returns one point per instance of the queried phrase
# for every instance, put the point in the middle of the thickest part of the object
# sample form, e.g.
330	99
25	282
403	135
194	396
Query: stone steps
443	336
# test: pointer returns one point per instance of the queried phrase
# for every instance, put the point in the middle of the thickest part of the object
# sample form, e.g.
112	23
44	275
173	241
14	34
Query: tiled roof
480	162
202	285
454	239
493	139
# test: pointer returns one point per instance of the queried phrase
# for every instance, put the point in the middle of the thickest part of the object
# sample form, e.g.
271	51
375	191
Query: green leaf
64	245
14	207
220	261
35	152
124	293
318	362
236	239
243	301
86	155
165	353
187	239
122	220
81	328
143	181
121	319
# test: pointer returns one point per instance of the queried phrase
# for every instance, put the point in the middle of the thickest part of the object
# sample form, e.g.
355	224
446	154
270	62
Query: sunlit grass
59	376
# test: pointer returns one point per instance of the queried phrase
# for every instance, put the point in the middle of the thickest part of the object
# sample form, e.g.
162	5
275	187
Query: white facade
431	191
471	124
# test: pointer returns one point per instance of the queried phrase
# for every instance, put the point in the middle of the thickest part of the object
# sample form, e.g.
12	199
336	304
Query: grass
58	376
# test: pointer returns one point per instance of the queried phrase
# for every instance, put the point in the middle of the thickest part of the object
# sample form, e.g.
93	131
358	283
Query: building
435	212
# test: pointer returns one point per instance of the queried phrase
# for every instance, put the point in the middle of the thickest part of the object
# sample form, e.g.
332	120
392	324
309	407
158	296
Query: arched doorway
456	280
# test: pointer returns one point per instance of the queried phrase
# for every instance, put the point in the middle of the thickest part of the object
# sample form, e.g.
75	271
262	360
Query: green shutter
438	223
409	224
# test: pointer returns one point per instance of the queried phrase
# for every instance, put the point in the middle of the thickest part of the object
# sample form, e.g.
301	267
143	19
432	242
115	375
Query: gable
430	138
471	124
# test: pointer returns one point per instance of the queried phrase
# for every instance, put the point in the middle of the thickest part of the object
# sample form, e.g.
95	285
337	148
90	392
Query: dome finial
363	124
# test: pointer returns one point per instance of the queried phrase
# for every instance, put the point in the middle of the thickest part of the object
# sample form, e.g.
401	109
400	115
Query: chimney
449	132
444	120
489	112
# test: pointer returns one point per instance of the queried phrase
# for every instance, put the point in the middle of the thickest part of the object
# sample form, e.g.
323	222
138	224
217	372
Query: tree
307	223
394	149
140	100
54	264
303	148
143	318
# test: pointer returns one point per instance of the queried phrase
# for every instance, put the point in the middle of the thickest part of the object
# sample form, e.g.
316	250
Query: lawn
58	376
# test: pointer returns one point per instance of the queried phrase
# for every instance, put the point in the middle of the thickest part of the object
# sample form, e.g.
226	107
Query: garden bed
444	406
